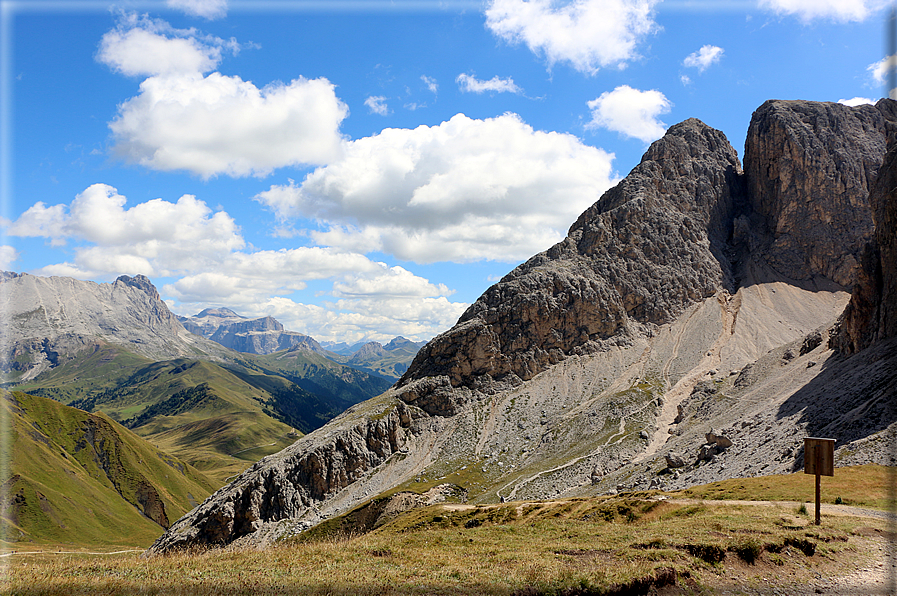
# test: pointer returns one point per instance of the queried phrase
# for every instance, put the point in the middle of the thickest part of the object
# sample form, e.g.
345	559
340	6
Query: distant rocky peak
219	312
141	282
370	349
398	343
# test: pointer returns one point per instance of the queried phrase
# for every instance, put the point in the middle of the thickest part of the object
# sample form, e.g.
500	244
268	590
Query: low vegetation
603	545
869	485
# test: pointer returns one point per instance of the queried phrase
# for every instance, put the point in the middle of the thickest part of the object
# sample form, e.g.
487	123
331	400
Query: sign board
819	456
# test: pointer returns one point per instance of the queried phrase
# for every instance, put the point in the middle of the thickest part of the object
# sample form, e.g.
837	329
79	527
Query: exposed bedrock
292	482
872	313
650	246
809	168
620	312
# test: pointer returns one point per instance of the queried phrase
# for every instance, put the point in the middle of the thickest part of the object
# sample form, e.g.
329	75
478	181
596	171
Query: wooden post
819	459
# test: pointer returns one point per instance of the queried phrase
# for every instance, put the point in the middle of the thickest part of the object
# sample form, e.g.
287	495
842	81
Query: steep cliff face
634	260
871	315
809	170
50	318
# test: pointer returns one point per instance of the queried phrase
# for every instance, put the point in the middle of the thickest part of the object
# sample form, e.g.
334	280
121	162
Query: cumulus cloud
703	58
630	112
472	84
140	46
216	124
207	9
461	191
154	238
856	101
377	105
211	124
589	34
834	10
8	256
374	301
880	69
213	266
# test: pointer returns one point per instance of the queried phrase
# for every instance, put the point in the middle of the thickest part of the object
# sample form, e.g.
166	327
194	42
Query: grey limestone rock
809	168
871	315
51	318
650	246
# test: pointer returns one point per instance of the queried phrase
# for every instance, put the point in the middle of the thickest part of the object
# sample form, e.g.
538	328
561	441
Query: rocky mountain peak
810	166
141	282
583	367
871	315
224	313
650	246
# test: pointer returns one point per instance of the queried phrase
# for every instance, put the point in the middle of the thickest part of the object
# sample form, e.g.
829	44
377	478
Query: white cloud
8	256
153	238
461	191
215	124
431	84
374	301
880	69
589	34
686	80
207	9
212	266
472	84
210	124
377	105
835	10
392	282
856	101
703	58
140	46
630	112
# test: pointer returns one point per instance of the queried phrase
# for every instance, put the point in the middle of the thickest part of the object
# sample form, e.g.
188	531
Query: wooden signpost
819	459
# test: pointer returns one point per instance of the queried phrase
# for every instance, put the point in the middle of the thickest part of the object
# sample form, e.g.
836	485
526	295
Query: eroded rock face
809	168
291	483
871	315
263	335
650	246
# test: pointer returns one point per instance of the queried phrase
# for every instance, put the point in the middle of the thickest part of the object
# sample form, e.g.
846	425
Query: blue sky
365	169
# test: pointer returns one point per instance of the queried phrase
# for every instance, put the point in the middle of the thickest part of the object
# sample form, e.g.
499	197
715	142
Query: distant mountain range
266	335
117	349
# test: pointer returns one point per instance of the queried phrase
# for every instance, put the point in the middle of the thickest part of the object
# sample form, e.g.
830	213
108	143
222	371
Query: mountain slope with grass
678	335
82	479
117	349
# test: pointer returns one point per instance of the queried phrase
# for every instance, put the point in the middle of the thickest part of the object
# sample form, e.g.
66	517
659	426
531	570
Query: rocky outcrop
51	318
809	168
292	483
871	315
264	335
649	247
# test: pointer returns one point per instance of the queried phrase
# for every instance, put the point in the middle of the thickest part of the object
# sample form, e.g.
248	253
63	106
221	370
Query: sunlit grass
545	547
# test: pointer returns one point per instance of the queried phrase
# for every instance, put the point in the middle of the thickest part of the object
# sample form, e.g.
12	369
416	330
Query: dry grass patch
592	546
869	485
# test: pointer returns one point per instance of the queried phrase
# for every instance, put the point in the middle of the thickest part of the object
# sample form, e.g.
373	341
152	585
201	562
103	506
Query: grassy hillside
628	544
322	376
82	479
219	417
